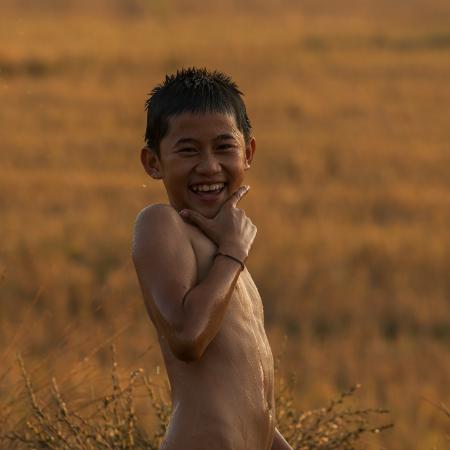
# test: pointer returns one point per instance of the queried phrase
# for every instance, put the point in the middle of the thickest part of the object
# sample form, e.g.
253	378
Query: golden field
350	104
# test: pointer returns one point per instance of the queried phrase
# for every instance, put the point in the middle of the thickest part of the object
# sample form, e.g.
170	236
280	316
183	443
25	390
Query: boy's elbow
188	353
187	348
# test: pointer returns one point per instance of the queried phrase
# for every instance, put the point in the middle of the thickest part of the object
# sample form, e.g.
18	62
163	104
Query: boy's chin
209	212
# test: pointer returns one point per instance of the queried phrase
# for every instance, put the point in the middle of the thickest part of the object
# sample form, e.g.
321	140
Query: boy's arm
279	443
187	314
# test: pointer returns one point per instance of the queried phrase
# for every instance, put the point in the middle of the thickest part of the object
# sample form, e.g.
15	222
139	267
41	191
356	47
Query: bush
113	425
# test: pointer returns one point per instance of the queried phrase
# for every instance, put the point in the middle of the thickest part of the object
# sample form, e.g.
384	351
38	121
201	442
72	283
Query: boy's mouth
208	191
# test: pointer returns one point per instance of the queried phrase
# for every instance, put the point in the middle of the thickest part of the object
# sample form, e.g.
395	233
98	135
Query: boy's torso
225	400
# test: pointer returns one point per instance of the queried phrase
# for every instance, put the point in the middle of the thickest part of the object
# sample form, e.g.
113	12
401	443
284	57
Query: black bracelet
232	257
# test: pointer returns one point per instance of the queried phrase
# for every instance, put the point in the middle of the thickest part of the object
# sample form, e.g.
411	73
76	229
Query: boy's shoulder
156	213
157	224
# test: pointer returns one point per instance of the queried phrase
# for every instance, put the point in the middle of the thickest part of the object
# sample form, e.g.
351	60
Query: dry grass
114	423
336	426
350	103
110	424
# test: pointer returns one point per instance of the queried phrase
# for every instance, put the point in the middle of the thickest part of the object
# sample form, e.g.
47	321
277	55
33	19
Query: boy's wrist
233	252
237	260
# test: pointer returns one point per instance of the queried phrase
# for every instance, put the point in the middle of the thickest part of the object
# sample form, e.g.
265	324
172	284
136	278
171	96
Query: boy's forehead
208	124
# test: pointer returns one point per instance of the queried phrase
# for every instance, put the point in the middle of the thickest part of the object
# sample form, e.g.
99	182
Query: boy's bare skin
206	309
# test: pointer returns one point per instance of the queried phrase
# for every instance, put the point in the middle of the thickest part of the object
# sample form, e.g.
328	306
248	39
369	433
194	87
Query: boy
189	258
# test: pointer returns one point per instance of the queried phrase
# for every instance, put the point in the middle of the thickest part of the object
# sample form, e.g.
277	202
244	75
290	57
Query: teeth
208	187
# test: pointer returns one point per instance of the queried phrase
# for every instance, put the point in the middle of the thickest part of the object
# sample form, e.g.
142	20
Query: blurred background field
350	103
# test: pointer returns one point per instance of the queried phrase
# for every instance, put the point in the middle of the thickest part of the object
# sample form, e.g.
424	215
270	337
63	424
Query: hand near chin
230	229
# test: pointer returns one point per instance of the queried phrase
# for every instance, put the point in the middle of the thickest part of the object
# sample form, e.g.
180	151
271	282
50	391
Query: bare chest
246	297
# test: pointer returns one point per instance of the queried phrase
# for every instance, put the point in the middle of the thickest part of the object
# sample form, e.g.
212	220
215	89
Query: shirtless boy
189	257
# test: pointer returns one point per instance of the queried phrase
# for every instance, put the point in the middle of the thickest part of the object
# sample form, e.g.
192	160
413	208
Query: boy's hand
231	230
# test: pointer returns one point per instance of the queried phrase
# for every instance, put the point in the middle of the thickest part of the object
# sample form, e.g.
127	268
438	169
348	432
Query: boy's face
200	152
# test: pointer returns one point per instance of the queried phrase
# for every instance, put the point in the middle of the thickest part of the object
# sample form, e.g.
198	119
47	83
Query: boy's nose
208	165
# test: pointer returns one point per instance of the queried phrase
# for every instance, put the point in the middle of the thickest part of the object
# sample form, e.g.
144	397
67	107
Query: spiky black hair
197	91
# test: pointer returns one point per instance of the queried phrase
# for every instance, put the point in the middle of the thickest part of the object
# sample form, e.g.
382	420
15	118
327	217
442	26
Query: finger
196	218
234	199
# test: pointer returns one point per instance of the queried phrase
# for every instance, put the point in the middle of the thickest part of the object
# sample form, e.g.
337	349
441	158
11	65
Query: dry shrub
337	426
113	425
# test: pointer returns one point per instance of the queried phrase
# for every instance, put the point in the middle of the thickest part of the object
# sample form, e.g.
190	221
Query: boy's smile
202	161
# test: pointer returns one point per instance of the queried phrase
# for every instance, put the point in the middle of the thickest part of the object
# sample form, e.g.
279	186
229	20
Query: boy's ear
250	149
151	163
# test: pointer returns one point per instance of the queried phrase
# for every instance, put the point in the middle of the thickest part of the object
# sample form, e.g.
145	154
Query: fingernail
183	212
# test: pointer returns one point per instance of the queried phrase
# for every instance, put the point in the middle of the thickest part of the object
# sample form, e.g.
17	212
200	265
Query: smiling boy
190	260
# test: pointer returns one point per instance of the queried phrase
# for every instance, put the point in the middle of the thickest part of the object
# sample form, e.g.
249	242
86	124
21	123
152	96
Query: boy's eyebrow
185	140
188	140
224	136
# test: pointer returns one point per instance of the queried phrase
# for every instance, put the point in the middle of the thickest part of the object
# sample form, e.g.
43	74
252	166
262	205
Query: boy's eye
187	150
225	146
